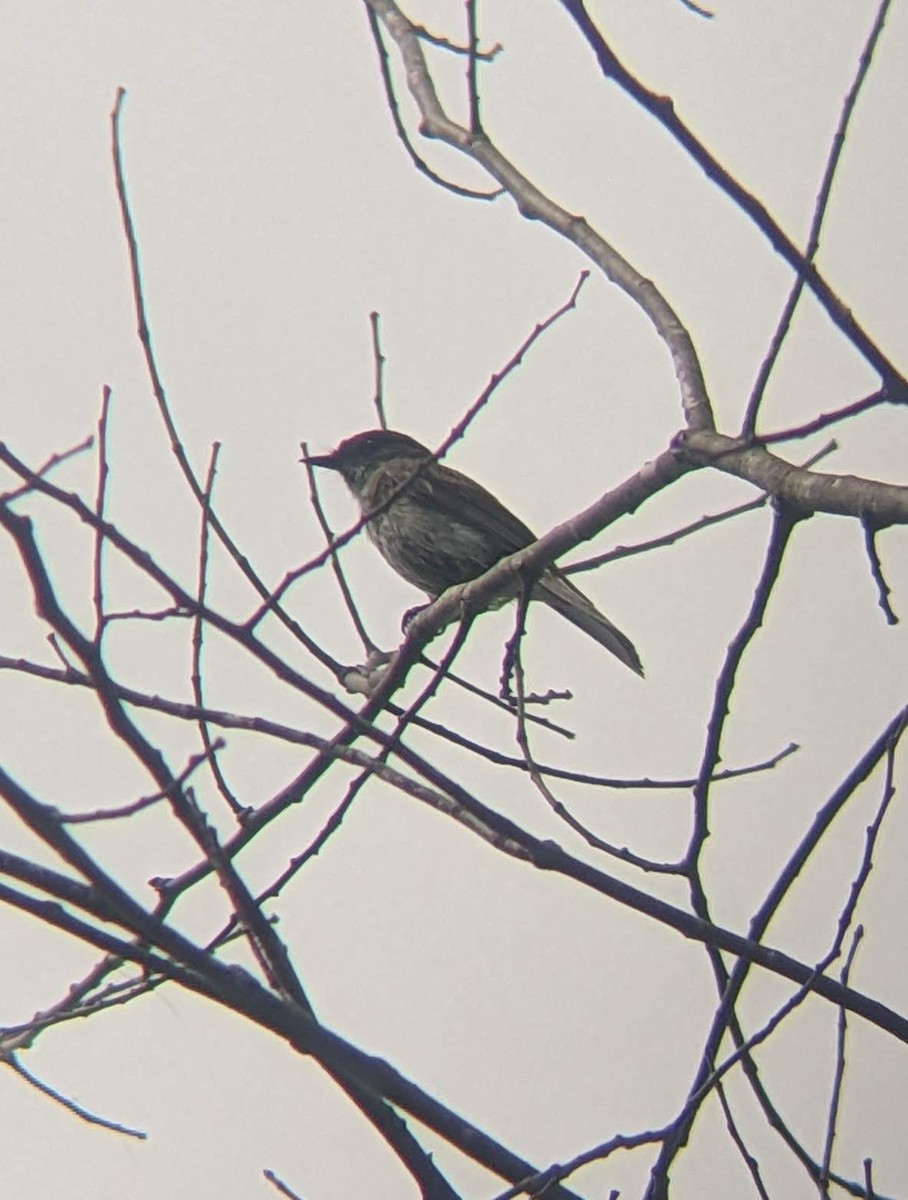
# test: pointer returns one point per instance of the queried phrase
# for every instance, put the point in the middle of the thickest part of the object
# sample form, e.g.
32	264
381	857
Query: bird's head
356	458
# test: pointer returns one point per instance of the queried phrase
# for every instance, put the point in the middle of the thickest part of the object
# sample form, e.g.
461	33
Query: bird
445	528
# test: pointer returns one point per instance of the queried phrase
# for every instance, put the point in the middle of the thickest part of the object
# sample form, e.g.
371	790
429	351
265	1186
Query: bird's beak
321	460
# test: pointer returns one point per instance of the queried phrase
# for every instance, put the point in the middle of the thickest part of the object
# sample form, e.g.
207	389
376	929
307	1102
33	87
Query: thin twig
100	499
378	358
54	461
198	631
704	522
419	163
734	1133
749	424
824	420
663	109
78	1110
884	746
337	568
472	68
279	1184
376	767
839	1076
884	591
784	522
233	720
160	394
446	44
130	810
496	701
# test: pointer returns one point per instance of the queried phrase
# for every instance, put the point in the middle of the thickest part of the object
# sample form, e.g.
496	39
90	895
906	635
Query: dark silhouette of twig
677	535
160	395
70	1105
824	420
662	109
749	423
100	498
198	634
337	568
378	398
884	591
444	43
419	163
472	69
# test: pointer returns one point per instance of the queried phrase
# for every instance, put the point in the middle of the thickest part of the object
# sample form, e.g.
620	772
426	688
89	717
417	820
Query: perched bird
445	529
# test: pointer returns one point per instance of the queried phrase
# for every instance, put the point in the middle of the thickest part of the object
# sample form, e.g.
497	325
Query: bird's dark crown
376	445
364	451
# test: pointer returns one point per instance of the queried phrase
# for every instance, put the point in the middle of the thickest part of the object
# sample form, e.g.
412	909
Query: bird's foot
407	619
365	679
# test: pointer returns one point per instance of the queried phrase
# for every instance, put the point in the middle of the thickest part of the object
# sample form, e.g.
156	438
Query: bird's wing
464	502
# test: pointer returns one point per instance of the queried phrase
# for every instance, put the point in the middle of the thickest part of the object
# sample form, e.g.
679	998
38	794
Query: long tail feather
559	593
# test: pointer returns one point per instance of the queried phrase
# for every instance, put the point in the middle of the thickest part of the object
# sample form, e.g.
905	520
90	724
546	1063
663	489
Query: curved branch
663	110
536	206
809	491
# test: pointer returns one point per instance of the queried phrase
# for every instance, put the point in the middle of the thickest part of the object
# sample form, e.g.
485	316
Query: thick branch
809	491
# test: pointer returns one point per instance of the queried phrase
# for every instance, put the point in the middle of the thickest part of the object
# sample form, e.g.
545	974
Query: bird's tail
557	591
